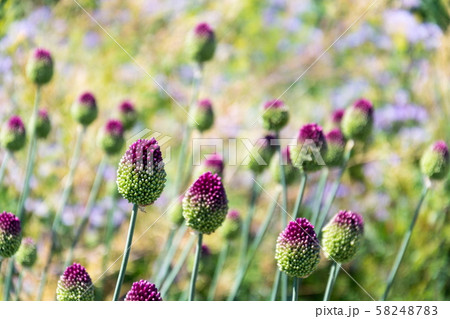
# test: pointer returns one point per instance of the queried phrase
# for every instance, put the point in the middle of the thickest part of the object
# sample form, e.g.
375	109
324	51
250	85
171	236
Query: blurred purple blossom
343	96
92	40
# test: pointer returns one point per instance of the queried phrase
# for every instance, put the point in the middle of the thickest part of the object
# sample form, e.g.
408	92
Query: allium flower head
357	122
435	161
342	236
265	147
43	124
231	226
205	204
143	290
311	148
336	148
201	43
213	163
13	135
202	117
75	284
85	110
175	213
27	254
111	137
291	173
298	251
40	67
127	114
10	234
336	117
141	176
275	115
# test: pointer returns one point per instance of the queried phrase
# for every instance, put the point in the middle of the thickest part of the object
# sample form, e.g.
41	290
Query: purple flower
143	290
214	164
75	284
40	67
10	234
127	114
203	30
201	44
336	116
84	110
266	148
310	142
13	136
435	162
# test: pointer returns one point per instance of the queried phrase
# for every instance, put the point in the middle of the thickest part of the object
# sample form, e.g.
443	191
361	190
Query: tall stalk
126	253
334	270
319	195
31	155
87	211
57	219
219	267
295	289
405	242
198	253
3	167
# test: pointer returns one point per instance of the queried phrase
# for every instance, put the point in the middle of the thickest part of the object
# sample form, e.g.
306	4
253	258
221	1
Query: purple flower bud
336	148
310	149
342	236
336	117
205	204
357	122
213	163
13	135
111	137
84	110
275	115
298	251
27	254
127	114
231	226
40	67
10	234
201	43
435	161
266	148
202	117
206	252
43	124
75	284
141	176
143	290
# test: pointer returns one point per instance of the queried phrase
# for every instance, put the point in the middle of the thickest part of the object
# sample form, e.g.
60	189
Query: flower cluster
40	67
111	137
201	43
310	149
13	135
10	234
127	115
143	290
85	110
275	115
75	284
357	122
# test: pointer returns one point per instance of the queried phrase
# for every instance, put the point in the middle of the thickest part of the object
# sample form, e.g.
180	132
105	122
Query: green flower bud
40	67
275	115
358	121
111	137
84	110
27	254
435	161
265	149
201	44
13	135
43	124
202	117
336	148
311	148
231	226
291	173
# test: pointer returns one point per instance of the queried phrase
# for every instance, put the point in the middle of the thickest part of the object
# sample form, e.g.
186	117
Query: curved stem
176	269
301	192
3	167
31	155
126	253
319	195
198	253
87	211
253	249
404	244
219	267
295	289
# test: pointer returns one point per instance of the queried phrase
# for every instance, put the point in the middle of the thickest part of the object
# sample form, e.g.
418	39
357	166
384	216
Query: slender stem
301	192
404	244
57	219
170	254
319	195
245	230
176	269
19	285
163	252
3	167
276	283
219	267
26	186
295	289
126	253
330	283
253	249
198	253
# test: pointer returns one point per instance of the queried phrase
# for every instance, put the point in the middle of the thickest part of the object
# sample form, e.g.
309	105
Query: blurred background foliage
395	53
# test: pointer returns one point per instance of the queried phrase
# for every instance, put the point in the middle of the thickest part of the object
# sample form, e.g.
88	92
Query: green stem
57	219
163	252
219	267
301	192
87	211
295	289
19	285
319	195
109	232
126	253
330	283
176	269
404	244
3	167
276	283
253	249
26	186
198	253
170	255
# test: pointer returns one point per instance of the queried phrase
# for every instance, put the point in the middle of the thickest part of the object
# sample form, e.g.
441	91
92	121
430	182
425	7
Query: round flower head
435	161
357	121
265	148
311	148
342	236
127	115
291	174
336	148
202	117
10	234
75	284
13	135
84	110
175	213
213	163
275	115
111	137
27	254
205	204
141	176
231	226
40	67
43	124
143	290
336	117
201	43
298	251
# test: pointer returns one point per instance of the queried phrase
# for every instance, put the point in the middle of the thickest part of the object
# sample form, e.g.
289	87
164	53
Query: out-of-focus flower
311	143
27	254
336	148
202	117
10	234
231	226
435	161
291	173
85	110
111	137
201	43
127	114
13	135
43	124
357	122
265	149
275	115
40	67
